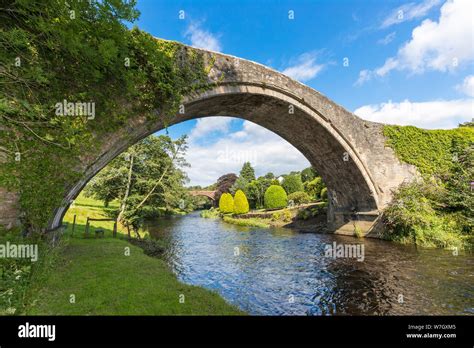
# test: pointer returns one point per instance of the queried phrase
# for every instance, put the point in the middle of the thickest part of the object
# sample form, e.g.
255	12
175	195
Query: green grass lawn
251	222
105	281
85	207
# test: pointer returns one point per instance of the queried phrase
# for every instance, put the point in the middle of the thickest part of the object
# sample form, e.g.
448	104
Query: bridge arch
348	152
209	194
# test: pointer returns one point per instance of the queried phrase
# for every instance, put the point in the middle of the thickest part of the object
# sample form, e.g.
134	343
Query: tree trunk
175	154
127	190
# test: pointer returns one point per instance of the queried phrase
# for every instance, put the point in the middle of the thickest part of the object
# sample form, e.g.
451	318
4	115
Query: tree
241	205
246	175
308	174
247	172
226	203
148	179
292	183
224	183
275	197
313	188
299	197
459	195
255	190
269	175
239	184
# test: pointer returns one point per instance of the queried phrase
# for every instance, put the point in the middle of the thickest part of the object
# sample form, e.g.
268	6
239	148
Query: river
278	271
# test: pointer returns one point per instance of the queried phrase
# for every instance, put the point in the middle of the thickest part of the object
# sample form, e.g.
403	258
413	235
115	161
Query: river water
278	271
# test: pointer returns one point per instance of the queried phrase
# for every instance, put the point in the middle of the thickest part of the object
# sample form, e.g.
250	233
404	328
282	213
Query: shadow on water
281	272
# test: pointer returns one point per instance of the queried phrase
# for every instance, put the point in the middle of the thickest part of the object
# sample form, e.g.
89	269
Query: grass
85	207
210	214
253	222
106	281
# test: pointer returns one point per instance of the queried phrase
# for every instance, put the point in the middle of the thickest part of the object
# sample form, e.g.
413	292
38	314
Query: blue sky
407	62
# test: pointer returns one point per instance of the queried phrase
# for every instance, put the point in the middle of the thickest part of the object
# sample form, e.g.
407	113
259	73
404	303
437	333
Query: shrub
411	218
252	222
241	204
210	214
299	197
292	183
324	194
226	203
287	215
304	214
276	216
313	188
275	197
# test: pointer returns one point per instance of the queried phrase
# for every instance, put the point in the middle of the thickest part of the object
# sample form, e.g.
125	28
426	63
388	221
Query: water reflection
281	272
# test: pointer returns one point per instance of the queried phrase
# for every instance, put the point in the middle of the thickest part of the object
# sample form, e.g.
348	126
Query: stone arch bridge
348	152
208	194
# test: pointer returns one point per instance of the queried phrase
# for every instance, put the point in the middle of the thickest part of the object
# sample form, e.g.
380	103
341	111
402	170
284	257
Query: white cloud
440	46
208	125
409	12
387	39
267	152
467	86
364	76
201	38
431	114
305	68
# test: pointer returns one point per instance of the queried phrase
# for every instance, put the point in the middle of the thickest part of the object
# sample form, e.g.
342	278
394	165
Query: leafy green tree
241	205
313	188
247	172
239	184
292	183
308	174
299	197
269	175
459	197
255	191
146	179
275	197
226	203
246	175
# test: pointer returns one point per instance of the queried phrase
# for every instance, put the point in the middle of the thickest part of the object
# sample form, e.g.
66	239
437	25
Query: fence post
87	227
115	229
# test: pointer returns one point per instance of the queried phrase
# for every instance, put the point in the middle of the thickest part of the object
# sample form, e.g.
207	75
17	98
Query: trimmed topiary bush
299	197
275	197
241	204
226	203
324	194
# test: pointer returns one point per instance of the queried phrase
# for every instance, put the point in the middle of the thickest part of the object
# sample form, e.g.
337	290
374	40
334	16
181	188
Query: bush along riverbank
306	218
273	206
437	210
134	279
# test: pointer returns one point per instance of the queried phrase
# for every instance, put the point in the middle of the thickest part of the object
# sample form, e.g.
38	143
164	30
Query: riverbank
103	276
305	218
107	276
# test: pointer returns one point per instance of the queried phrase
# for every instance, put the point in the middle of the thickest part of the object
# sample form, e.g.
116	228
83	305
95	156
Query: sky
397	62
